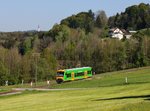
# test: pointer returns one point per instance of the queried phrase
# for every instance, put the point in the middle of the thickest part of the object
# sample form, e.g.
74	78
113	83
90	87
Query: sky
23	15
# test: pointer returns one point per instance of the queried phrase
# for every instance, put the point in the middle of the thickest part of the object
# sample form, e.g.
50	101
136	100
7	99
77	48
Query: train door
72	75
85	74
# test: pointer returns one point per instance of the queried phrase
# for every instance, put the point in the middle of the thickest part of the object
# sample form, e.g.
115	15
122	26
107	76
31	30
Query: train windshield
60	73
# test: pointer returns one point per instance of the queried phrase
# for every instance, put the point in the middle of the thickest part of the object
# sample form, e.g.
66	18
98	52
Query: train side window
68	75
80	74
89	72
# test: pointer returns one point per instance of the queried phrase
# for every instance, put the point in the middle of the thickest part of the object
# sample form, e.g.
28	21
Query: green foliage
59	32
10	43
50	64
145	32
134	18
101	19
26	46
83	20
3	73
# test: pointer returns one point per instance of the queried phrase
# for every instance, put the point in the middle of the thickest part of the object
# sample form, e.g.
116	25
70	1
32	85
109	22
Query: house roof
113	29
125	32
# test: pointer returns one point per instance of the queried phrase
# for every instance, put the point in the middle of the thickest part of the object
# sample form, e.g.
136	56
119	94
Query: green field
106	92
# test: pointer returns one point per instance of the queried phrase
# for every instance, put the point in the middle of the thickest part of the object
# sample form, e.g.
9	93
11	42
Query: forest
79	40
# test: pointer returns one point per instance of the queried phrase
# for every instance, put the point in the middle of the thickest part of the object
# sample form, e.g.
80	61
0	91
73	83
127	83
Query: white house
132	31
116	33
119	33
126	33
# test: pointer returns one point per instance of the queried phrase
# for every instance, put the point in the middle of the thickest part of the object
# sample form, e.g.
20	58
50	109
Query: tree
3	66
50	63
25	46
101	19
13	59
83	20
25	68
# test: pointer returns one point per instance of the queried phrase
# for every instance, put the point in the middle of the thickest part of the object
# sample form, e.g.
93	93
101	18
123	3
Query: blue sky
21	15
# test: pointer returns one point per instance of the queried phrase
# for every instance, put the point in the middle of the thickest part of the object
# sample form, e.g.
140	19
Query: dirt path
13	92
44	89
20	90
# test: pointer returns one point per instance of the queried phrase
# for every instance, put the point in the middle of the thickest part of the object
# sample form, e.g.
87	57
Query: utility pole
35	71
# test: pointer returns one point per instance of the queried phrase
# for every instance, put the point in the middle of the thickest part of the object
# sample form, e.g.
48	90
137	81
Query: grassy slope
105	92
135	76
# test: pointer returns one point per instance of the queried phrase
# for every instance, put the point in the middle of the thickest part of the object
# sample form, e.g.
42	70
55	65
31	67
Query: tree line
135	17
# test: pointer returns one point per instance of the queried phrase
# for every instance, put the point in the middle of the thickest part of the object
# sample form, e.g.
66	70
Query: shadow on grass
145	97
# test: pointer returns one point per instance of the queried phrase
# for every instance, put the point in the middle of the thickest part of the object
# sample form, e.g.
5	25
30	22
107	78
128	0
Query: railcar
73	74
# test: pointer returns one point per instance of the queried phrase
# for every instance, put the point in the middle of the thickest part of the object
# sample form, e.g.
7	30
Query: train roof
72	69
80	68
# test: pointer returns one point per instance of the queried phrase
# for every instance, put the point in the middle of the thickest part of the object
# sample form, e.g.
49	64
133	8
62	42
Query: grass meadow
105	92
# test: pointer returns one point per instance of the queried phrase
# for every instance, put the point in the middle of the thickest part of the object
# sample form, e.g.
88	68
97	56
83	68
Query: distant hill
12	39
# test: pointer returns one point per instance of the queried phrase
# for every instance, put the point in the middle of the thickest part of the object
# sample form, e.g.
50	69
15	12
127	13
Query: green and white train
73	74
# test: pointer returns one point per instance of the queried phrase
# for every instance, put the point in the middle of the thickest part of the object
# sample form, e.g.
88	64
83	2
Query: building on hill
38	29
119	33
116	33
126	34
133	32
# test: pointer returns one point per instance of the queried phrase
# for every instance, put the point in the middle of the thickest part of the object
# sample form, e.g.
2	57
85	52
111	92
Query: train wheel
59	81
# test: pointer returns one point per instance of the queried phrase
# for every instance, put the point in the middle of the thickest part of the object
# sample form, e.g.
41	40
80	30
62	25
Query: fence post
6	83
22	81
126	80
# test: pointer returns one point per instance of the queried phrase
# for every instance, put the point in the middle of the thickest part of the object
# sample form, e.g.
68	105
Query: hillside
106	92
134	76
79	40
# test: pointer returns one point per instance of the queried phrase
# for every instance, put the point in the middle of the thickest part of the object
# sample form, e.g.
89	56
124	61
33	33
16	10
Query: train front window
60	73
